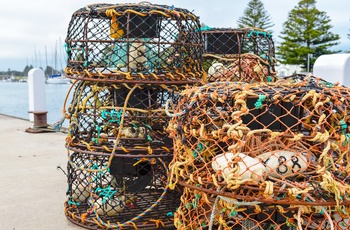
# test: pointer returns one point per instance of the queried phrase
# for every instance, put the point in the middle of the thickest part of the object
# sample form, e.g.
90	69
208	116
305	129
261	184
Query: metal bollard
37	100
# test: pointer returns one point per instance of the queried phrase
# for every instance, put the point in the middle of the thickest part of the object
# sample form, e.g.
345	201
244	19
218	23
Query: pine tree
348	36
306	31
255	16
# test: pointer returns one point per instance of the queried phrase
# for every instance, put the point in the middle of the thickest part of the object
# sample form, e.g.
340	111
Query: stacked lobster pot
239	55
126	61
263	155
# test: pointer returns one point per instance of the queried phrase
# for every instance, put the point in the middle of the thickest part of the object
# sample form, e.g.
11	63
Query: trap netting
126	191
127	60
239	55
118	156
272	156
126	42
101	113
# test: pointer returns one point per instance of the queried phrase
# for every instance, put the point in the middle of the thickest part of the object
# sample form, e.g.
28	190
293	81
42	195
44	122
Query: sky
30	30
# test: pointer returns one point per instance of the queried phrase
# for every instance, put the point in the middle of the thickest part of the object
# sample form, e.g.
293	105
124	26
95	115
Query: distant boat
57	79
9	80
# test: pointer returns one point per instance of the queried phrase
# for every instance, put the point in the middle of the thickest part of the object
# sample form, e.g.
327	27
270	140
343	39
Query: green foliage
27	69
255	16
307	30
49	70
348	36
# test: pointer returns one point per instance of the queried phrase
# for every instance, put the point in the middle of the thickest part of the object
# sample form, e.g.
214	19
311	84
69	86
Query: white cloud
41	23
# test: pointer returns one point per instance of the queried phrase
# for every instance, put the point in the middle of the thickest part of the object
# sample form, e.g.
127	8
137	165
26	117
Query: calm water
14	100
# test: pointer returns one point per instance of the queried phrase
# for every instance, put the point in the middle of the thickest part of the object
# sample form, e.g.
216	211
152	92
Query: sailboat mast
35	58
46	58
55	56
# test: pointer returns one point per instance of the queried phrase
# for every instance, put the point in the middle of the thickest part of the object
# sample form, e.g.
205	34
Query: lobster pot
119	191
133	43
211	211
239	55
118	156
102	112
277	144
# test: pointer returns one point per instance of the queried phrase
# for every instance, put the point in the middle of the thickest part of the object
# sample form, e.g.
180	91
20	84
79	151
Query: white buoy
217	69
80	193
249	168
37	99
109	206
137	56
283	163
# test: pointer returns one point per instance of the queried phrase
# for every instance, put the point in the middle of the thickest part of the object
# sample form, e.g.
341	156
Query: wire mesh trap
123	191
239	55
127	60
271	156
101	113
127	42
118	154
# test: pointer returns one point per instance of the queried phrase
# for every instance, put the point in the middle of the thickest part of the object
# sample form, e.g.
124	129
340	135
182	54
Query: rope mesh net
272	156
127	60
246	55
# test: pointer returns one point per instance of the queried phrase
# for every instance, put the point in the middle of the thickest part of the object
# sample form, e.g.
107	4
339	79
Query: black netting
239	55
127	61
100	113
118	196
134	42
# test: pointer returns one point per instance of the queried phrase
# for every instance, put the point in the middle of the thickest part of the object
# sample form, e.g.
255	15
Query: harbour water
14	100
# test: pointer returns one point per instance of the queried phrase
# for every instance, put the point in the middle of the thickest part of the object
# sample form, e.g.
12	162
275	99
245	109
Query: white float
217	69
277	164
283	163
110	206
249	168
80	193
137	56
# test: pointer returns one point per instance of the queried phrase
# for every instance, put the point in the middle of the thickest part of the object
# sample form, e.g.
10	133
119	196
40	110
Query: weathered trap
245	54
127	60
276	149
134	42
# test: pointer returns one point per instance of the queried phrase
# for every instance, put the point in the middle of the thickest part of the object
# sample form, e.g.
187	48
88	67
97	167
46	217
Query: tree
348	36
27	69
255	16
306	31
49	70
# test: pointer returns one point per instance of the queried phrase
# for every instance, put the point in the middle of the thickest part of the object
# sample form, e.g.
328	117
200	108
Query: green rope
257	33
343	125
198	150
258	104
106	193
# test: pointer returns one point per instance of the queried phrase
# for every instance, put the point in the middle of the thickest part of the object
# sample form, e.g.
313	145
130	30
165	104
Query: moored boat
57	79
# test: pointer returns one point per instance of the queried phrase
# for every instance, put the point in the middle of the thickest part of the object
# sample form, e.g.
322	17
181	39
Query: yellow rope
135	12
66	98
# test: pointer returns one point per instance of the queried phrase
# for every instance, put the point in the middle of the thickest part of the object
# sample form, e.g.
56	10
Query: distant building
287	69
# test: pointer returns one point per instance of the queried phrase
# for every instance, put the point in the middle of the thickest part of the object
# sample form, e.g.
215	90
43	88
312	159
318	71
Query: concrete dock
32	189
